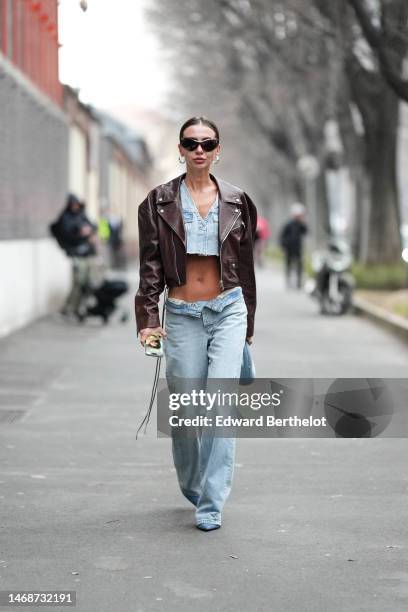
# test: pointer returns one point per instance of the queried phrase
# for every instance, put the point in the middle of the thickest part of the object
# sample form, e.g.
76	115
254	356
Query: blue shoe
208	526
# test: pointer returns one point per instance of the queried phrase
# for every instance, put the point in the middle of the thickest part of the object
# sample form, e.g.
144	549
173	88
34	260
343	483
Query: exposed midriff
202	279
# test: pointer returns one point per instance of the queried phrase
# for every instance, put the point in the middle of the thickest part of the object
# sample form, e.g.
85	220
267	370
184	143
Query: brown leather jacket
162	247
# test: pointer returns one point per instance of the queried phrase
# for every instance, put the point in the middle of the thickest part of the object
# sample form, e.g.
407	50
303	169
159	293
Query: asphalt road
311	524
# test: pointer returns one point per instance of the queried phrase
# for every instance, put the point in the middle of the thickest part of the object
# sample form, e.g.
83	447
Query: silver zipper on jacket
222	242
175	258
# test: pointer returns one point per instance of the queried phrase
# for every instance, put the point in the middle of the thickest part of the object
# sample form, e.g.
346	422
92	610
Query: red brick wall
29	38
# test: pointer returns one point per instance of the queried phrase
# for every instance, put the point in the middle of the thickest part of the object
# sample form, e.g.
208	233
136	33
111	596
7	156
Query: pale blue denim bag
248	371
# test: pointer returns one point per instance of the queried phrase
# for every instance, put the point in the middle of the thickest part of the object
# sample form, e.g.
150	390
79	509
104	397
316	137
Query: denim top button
201	234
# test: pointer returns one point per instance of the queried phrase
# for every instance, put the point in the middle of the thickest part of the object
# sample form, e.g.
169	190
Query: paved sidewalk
313	525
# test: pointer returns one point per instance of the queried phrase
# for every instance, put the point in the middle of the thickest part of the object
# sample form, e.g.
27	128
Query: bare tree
375	47
273	73
258	67
388	39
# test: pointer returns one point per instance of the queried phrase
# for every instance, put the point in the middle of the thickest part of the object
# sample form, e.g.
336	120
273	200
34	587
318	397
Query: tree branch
376	40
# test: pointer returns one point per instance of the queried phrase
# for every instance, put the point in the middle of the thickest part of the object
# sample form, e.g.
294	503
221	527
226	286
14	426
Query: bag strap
146	418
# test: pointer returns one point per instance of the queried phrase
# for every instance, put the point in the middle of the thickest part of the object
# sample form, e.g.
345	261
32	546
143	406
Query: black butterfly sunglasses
191	144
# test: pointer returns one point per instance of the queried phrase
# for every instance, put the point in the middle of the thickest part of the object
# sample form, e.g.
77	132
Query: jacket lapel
170	209
169	206
230	208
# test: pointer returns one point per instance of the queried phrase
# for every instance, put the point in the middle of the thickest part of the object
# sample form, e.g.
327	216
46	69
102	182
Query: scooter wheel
347	300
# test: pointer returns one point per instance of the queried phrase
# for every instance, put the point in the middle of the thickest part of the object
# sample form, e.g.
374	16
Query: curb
392	322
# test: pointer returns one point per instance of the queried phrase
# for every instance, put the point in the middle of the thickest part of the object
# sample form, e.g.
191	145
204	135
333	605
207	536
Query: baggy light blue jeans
205	340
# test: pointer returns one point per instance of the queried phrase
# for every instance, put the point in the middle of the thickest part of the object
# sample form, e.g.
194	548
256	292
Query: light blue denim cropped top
201	234
202	239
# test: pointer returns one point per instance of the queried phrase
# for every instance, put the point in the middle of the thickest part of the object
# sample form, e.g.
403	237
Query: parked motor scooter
333	284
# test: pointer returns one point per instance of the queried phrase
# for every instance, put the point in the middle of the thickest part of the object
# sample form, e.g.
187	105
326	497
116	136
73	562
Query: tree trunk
360	228
384	240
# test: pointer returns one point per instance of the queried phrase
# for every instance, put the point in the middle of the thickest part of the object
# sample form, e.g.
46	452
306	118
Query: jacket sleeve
151	276
246	264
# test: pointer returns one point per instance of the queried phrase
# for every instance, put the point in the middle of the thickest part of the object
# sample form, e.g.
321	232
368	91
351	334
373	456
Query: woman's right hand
147	331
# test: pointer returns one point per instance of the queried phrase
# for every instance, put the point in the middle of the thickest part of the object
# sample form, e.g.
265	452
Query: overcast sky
108	53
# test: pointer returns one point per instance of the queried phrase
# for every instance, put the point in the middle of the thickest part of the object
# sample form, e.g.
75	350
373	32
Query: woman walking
196	237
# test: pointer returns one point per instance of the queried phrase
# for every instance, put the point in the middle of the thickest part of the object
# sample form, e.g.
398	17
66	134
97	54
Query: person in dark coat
76	235
73	230
291	241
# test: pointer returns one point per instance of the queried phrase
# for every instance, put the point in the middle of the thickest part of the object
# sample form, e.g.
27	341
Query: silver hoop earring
217	159
182	160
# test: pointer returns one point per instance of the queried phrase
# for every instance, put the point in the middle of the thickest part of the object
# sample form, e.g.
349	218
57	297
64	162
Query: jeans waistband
195	308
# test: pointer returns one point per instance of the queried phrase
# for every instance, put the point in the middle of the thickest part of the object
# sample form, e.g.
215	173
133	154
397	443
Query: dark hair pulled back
199	121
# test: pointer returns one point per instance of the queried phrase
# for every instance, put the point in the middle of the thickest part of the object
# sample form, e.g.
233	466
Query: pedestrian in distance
116	242
77	236
73	230
197	234
291	240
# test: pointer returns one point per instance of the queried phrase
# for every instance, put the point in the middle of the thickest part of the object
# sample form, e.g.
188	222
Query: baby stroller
95	295
101	301
91	294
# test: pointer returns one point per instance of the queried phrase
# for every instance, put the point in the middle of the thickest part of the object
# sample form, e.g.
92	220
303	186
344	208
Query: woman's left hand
249	339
